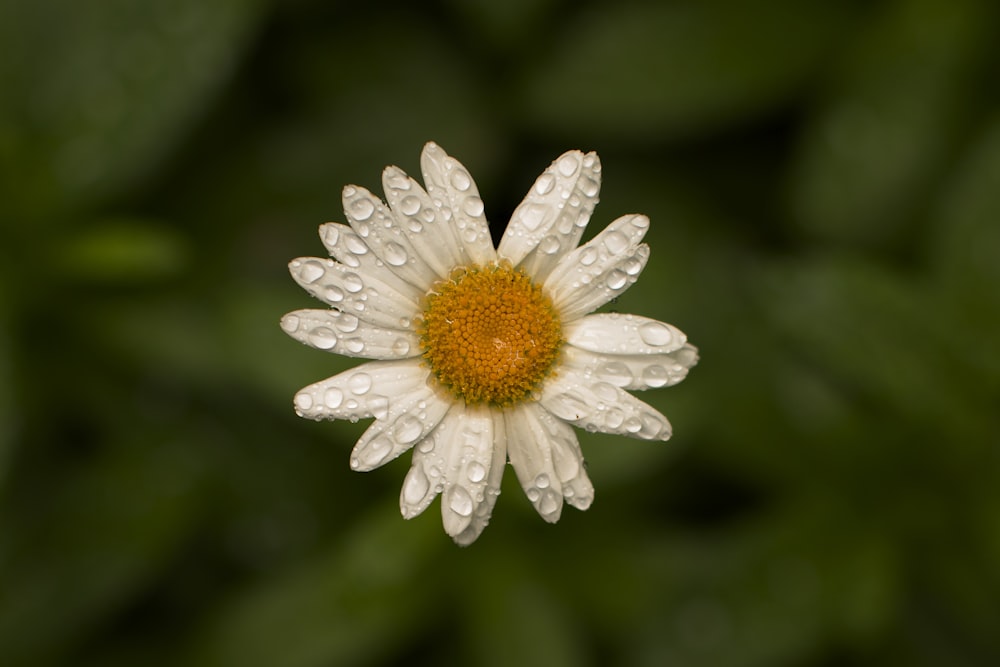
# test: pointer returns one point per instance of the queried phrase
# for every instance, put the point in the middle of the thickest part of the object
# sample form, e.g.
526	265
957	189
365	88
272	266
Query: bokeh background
823	179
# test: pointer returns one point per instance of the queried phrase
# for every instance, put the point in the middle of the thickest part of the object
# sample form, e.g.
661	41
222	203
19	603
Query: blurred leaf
642	71
896	110
362	599
506	25
102	92
121	251
74	557
9	421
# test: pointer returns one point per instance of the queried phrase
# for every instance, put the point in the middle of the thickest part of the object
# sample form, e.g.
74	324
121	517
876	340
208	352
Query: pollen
489	334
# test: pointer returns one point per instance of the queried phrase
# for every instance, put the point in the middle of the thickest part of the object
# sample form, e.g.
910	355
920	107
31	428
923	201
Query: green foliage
823	180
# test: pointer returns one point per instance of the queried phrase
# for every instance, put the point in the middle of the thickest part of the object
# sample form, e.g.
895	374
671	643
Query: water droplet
322	338
360	383
347	323
614	418
414	226
404	322
334	294
656	334
410	205
395	254
355	245
401	347
655	376
549	245
333	397
542	481
290	323
303	400
351	404
616	372
617	279
396	179
532	494
352	282
590	187
615	242
477	472
460	501
633	425
605	391
632	266
331	235
568	406
362	209
354	345
311	271
473	206
588	256
533	215
544	184
416	486
568	165
653	426
379	406
376	451
407	430
460	180
548	504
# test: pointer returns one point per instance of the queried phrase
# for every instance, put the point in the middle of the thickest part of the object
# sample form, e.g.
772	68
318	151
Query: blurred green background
823	179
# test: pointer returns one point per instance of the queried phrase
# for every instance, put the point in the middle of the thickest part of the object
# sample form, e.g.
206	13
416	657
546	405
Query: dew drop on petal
416	486
334	294
360	383
633	425
303	400
347	323
379	406
655	376
605	391
353	283
354	345
615	242
355	244
395	254
376	451
477	472
633	266
616	373
322	338
533	215
460	501
362	209
333	397
549	245
410	205
401	347
544	184
311	271
588	256
532	494
460	180
548	503
290	323
614	418
568	165
617	279
407	430
542	481
473	206
655	333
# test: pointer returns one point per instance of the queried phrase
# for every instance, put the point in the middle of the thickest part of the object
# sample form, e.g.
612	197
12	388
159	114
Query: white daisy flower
483	355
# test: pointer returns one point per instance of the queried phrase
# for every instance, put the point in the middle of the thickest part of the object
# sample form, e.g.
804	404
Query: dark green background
823	179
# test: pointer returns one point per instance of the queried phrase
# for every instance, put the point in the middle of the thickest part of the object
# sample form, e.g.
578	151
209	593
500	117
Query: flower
483	355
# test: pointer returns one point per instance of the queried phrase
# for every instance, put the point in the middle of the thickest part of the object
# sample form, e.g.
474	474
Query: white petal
601	406
348	248
361	293
476	450
633	371
606	262
366	391
546	456
620	333
408	421
552	217
464	458
452	189
581	293
346	334
433	238
374	223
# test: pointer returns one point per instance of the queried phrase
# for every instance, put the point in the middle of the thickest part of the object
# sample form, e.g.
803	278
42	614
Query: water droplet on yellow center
489	334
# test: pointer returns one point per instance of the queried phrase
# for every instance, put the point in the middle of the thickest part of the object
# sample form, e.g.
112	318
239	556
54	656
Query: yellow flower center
489	334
